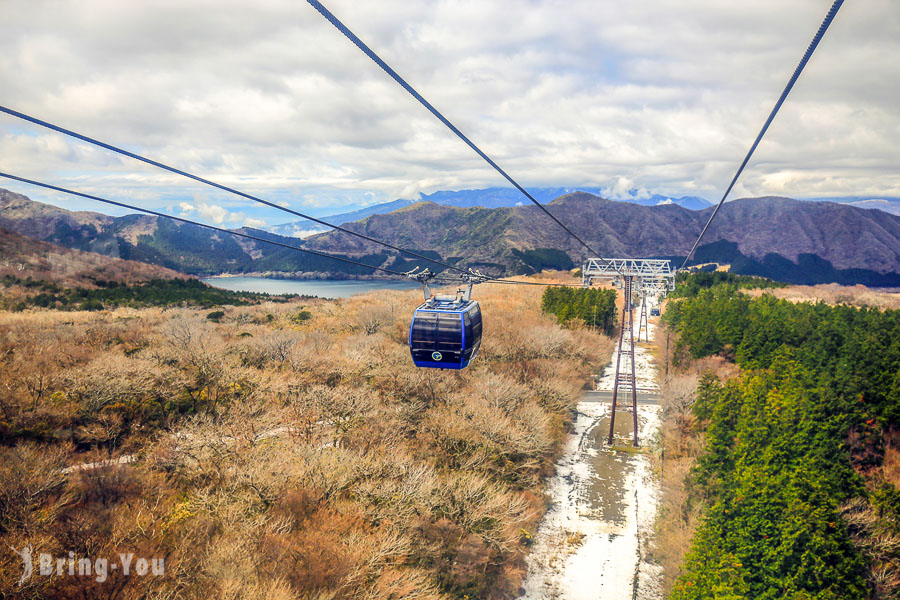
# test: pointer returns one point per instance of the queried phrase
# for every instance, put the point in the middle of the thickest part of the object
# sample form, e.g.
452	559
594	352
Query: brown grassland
280	454
832	293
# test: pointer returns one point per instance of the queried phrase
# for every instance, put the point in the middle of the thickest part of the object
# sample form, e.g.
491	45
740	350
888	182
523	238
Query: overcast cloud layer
665	95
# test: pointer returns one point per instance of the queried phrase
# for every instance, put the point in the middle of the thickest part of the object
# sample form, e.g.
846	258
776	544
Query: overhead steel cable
220	186
190	222
171	169
241	234
406	86
806	56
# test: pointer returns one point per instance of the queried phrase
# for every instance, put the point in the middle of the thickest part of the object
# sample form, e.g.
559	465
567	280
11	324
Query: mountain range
803	242
888	205
484	198
809	242
149	239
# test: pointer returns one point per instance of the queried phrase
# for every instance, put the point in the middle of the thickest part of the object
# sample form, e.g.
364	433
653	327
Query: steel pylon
648	278
623	378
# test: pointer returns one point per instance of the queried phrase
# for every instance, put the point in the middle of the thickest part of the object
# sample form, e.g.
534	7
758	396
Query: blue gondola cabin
445	333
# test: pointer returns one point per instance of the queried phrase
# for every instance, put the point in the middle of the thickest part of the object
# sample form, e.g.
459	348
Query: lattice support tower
649	278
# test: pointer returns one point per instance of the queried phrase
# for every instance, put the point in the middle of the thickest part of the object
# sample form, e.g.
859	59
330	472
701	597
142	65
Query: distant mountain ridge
305	228
887	204
804	242
483	198
762	233
154	240
501	197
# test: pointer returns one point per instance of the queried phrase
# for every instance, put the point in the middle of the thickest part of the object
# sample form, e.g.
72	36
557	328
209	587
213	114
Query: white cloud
186	208
665	202
626	188
217	214
625	95
212	212
251	222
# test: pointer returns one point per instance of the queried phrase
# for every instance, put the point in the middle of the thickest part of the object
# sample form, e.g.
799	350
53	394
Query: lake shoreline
321	288
299	276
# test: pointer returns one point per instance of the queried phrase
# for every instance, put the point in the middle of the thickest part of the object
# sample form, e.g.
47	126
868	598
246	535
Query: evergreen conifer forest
593	307
796	479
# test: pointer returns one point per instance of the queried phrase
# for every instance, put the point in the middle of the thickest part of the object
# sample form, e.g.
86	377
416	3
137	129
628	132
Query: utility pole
633	381
624	379
667	354
625	312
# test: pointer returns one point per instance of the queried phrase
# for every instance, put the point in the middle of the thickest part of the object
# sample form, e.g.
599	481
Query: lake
323	288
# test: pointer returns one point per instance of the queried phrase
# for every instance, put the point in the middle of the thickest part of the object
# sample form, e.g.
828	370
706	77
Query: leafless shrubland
283	456
879	544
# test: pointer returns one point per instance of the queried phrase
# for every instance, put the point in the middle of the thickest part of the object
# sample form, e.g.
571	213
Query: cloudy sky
658	95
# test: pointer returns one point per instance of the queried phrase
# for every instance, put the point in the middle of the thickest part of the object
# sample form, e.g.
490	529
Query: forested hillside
798	476
22	256
688	285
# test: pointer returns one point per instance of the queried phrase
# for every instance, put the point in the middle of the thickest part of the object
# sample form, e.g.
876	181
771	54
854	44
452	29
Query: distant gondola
445	332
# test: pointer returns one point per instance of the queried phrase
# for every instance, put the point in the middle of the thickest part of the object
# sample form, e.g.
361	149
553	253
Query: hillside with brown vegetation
22	257
772	235
45	221
184	247
285	451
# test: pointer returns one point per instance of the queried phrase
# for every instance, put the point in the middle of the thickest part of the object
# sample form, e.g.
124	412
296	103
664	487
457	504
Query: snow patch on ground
591	543
644	369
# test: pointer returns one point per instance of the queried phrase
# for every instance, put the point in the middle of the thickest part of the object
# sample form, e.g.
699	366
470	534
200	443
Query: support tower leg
634	381
642	320
626	329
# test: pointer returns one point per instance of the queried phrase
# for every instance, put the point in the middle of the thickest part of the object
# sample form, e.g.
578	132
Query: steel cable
806	56
220	186
247	235
406	86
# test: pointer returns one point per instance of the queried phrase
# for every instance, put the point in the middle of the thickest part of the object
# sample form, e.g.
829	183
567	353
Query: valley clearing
593	542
